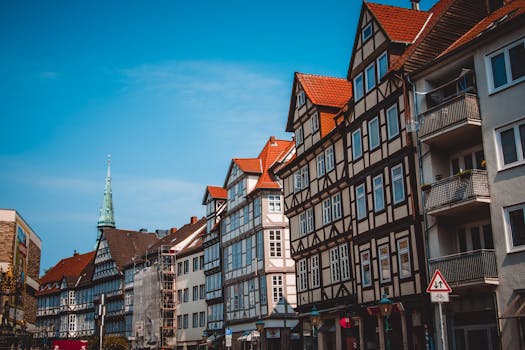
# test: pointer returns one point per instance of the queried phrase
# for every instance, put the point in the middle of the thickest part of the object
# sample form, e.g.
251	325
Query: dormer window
301	99
367	32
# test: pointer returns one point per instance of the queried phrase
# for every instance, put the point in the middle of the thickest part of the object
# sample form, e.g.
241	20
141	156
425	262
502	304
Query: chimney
173	230
272	140
415	4
193	220
75	253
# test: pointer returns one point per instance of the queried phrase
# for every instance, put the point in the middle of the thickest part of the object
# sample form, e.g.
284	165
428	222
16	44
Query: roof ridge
321	76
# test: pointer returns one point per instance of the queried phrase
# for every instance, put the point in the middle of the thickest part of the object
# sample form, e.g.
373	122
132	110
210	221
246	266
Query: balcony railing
473	267
468	185
462	109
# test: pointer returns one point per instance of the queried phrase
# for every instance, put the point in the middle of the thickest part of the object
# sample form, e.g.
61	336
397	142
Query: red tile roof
274	150
181	234
326	91
124	244
327	123
400	24
503	15
217	192
71	267
249	165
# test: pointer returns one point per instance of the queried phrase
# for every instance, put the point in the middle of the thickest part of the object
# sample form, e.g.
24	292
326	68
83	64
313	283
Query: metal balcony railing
458	188
460	109
468	267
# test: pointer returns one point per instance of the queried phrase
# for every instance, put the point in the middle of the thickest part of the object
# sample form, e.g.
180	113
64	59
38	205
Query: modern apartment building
65	303
20	250
215	201
471	132
258	272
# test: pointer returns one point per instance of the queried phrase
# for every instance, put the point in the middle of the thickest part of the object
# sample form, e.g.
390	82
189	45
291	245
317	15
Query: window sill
512	165
514	250
503	88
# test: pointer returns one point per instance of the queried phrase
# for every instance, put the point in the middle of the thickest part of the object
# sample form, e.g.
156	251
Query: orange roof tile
217	192
71	267
503	15
273	151
249	165
327	123
400	24
326	91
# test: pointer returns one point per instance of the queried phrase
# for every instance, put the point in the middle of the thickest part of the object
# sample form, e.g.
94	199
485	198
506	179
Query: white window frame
366	261
508	73
397	178
302	275
310	225
511	248
275	241
301	99
337	211
315	121
274	204
378	62
299	135
404	251
360	197
359	87
391	122
365	37
358	140
277	288
327	211
377	183
384	255
369	77
344	262
315	280
301	179
321	168
335	273
520	152
329	159
302	224
374	130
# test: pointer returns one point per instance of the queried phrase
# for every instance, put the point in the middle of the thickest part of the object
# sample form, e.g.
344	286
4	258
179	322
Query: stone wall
7	237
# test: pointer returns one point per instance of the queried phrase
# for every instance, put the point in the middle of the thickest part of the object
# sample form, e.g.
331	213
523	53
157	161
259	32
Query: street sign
228	332
438	284
439	297
345	322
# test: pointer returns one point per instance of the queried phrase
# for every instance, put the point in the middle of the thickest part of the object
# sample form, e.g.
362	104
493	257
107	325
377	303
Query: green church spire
106	218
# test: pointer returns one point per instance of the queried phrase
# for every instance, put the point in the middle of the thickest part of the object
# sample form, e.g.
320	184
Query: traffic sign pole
439	293
441	325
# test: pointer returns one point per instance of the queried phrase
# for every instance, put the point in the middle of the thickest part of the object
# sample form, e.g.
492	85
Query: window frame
366	262
393	179
520	151
400	253
329	159
301	99
388	122
274	203
365	38
384	257
356	156
277	288
299	135
511	248
359	87
358	197
302	275
378	63
327	211
336	206
376	189
335	266
315	280
508	70
314	120
377	130
275	240
321	166
372	76
344	262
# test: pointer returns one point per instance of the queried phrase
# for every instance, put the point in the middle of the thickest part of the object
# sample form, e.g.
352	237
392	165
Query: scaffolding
154	302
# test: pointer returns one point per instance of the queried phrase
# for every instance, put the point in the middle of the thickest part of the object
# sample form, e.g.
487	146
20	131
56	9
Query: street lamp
260	328
385	307
315	318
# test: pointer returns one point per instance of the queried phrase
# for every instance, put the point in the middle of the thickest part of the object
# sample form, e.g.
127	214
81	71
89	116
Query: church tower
106	218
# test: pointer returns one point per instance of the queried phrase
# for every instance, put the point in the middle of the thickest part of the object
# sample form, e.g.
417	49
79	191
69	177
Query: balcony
467	269
458	195
452	122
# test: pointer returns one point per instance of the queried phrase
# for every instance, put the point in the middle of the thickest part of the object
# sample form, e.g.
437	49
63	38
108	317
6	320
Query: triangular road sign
438	284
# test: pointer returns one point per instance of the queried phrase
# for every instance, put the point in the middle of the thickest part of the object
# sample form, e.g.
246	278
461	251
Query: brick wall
33	261
7	240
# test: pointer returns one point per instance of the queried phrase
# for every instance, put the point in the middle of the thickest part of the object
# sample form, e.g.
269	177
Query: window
179	268
515	226
358	87
185	321
249	250
302	224
301	179
195	293
275	243
186	295
302	275
344	261
392	121
320	165
511	144
382	66
360	201
72	322
195	319
506	66
274	204
301	99
195	264
201	262
202	319
264	299
327	211
370	74
202	292
277	287
315	280
257	207
398	186
336	206
384	263
366	273
403	256
315	122
334	265
373	133
306	222
329	158
179	296
367	32
357	147
186	266
379	197
71	297
260	246
179	321
299	135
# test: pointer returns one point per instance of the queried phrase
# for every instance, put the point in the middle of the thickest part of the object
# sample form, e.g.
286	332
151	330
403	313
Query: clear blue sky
171	89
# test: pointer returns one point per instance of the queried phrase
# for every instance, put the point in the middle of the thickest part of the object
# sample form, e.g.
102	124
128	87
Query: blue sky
171	89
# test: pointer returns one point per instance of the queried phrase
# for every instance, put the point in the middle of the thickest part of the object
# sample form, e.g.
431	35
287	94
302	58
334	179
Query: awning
516	308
